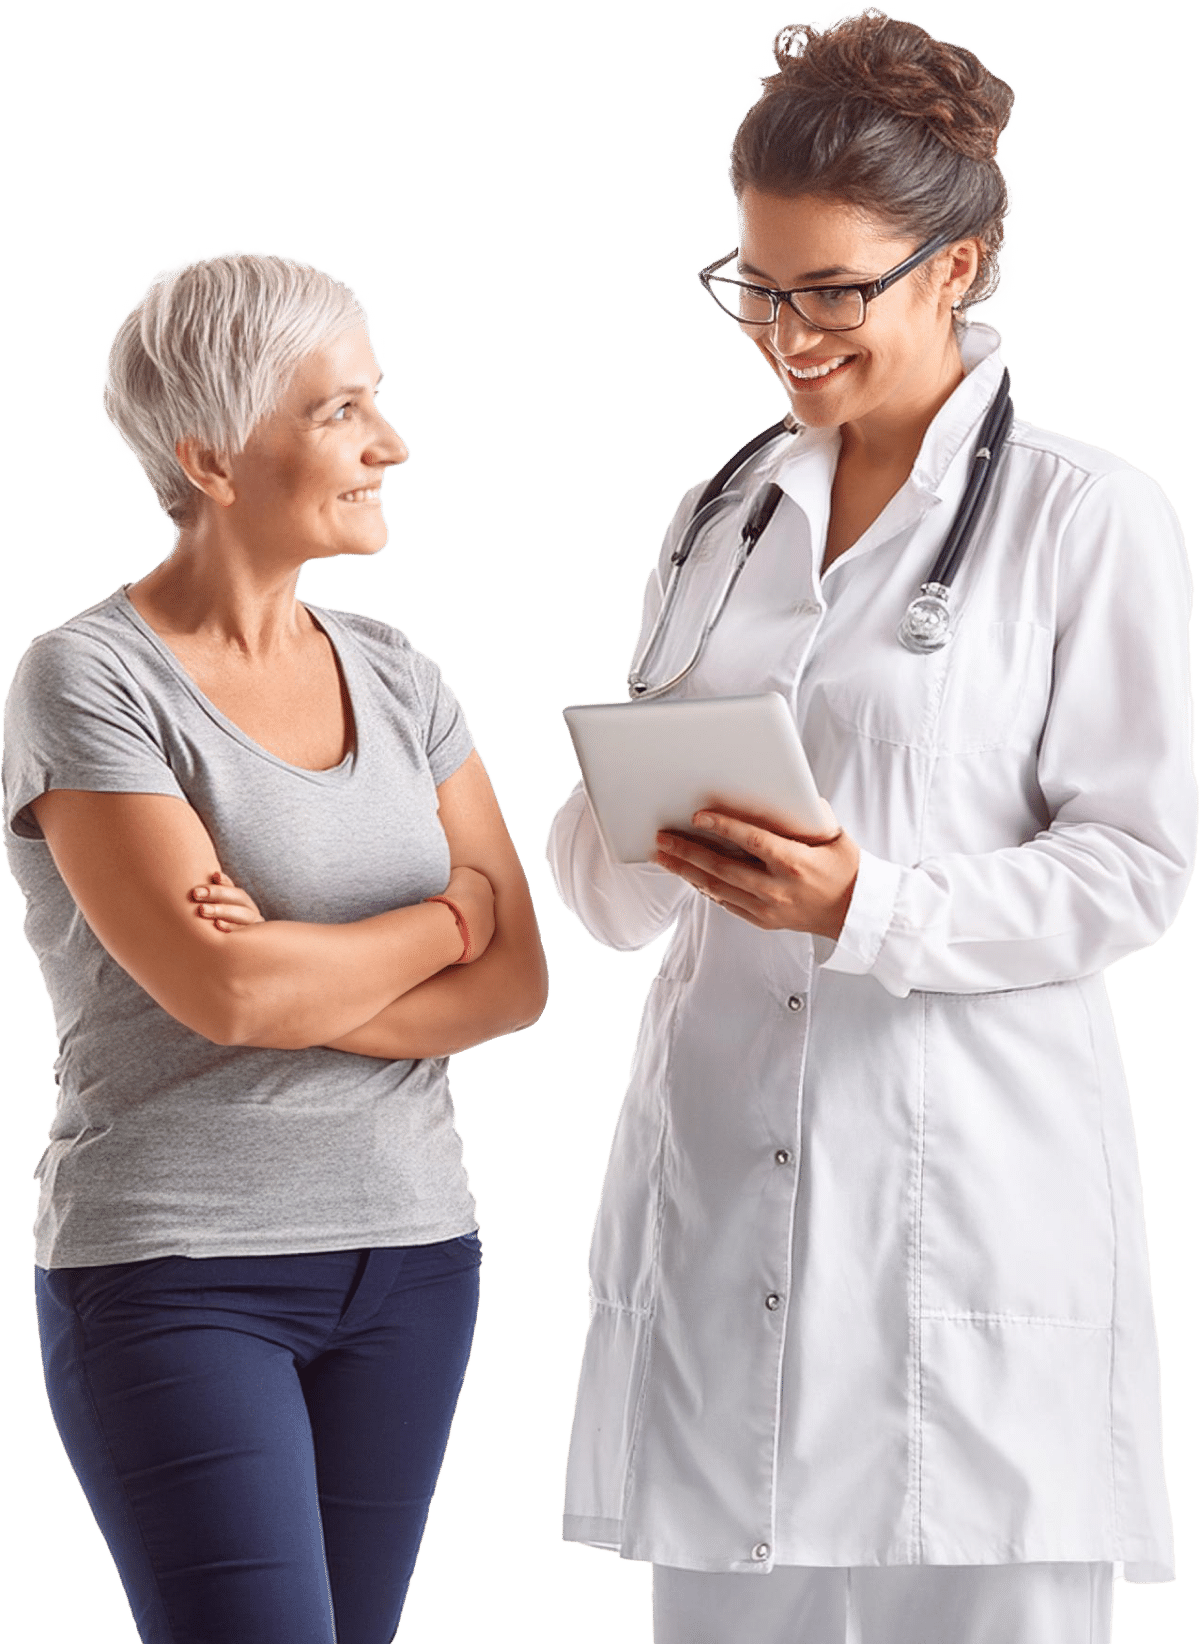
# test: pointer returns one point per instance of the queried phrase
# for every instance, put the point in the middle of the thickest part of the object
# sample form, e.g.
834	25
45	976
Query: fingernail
200	892
702	821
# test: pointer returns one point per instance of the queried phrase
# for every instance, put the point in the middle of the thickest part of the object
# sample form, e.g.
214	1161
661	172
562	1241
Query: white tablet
652	765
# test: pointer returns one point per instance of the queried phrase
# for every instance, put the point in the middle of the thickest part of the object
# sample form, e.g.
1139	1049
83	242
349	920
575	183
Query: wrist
462	929
834	922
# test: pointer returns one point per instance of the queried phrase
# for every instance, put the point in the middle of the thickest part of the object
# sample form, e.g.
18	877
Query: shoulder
1108	527
1080	471
81	656
387	650
370	633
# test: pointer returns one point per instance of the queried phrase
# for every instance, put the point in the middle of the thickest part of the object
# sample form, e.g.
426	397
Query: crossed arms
387	986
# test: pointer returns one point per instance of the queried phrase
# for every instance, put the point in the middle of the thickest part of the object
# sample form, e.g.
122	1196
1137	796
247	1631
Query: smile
817	373
369	493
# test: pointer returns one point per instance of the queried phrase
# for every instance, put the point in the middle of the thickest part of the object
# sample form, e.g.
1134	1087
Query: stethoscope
925	626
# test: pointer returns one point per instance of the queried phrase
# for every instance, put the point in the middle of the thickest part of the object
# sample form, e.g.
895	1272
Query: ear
957	268
208	470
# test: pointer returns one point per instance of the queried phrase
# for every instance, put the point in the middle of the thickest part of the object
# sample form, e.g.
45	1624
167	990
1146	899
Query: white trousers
892	1604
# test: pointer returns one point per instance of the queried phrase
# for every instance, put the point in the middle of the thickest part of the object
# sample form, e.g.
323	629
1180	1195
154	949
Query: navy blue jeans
259	1436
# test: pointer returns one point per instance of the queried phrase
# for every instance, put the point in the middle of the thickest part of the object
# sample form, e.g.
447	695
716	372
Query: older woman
257	1260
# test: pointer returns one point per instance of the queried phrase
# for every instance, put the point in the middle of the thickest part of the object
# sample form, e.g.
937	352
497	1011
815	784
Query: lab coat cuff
868	918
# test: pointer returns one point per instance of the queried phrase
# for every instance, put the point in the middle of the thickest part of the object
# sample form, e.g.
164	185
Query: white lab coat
869	1272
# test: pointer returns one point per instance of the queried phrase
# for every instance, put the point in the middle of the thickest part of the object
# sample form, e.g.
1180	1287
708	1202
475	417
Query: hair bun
899	67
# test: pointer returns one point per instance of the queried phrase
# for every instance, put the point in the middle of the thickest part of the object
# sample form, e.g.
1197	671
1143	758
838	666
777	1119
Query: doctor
872	1342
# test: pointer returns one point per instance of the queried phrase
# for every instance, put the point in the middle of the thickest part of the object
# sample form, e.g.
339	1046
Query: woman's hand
228	906
794	884
224	903
472	894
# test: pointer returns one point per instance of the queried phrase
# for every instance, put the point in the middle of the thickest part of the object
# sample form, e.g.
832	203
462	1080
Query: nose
386	447
791	332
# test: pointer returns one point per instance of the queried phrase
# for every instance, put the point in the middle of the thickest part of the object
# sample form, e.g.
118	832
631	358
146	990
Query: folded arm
130	861
501	991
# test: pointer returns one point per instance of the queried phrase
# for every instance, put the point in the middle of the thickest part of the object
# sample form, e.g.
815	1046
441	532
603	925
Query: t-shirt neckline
331	773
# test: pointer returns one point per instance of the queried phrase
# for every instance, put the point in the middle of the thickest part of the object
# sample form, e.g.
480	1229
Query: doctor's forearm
1057	908
624	905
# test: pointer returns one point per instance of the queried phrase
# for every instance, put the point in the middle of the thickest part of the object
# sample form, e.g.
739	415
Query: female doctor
872	1343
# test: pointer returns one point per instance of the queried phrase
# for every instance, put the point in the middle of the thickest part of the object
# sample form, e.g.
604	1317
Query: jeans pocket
92	1290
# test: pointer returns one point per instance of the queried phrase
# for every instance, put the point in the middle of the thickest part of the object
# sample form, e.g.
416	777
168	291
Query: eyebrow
341	393
817	274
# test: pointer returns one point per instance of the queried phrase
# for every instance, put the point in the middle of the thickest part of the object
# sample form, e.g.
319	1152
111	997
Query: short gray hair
207	354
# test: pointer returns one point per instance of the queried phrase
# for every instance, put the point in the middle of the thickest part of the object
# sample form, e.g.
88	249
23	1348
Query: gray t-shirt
164	1143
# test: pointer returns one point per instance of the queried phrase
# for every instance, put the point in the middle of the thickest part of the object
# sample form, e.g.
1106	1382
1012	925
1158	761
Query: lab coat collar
806	472
962	413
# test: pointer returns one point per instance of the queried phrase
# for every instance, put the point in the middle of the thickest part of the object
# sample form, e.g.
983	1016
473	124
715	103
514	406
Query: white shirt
869	1271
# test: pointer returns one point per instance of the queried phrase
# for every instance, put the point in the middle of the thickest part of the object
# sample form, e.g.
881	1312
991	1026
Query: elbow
227	1013
527	993
534	1002
225	1018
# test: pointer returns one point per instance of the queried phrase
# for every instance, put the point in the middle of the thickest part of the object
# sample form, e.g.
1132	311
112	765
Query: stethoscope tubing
996	427
926	625
714	501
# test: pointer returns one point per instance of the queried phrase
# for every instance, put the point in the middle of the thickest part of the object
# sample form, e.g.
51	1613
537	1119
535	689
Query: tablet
652	765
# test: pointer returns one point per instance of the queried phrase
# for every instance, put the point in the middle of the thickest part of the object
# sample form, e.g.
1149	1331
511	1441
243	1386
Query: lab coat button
782	1156
795	1002
762	1551
772	1302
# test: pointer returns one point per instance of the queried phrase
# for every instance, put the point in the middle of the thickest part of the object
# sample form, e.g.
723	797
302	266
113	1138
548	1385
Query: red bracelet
463	928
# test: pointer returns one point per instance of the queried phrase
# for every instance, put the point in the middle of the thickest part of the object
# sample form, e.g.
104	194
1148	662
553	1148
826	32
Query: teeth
368	494
814	370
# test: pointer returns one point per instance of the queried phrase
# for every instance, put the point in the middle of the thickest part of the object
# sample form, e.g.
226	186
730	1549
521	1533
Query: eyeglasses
823	307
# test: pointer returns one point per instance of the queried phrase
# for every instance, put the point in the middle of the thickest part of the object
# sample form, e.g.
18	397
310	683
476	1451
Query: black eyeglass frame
867	290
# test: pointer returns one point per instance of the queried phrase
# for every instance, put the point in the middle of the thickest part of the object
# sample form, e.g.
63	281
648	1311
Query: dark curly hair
877	113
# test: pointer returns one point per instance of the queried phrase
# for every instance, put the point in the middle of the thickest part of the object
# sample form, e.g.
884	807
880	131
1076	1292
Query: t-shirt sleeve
75	718
447	739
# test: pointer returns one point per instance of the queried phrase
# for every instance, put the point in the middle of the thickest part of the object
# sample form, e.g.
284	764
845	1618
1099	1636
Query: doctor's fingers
763	842
725	895
735	886
701	864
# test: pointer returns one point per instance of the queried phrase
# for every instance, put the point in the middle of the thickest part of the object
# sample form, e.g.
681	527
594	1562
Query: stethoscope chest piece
925	626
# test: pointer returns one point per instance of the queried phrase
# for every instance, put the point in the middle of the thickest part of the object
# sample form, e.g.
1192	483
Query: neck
214	588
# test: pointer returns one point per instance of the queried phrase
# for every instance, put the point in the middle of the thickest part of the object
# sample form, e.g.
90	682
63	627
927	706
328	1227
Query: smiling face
902	361
307	483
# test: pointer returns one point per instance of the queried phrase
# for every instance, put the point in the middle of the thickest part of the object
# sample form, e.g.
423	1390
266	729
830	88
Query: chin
814	415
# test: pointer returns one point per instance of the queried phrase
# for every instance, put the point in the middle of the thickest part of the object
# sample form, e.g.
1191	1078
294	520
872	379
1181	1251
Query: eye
829	296
340	415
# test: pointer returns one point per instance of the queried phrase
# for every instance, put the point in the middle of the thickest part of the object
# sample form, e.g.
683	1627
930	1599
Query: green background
492	181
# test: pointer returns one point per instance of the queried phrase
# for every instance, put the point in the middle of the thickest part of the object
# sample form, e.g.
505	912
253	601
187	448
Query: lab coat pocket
1016	1204
987	688
624	1256
608	1413
997	687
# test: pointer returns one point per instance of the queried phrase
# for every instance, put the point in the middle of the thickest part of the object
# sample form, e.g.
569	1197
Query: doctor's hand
794	884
